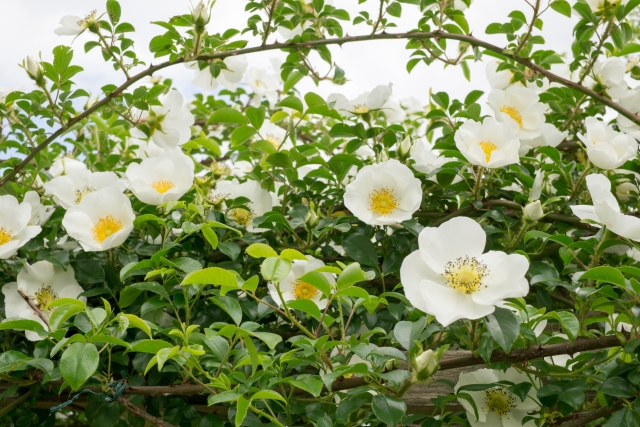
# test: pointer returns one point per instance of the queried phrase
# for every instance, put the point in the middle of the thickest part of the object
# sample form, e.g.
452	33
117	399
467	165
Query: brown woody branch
34	306
143	414
310	45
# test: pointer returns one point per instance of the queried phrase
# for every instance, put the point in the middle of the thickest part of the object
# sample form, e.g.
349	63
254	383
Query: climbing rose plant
258	255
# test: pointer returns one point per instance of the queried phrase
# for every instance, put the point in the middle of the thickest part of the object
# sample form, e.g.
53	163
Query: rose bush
258	255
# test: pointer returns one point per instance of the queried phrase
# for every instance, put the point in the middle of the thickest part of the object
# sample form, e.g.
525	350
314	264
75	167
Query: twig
13	405
35	307
143	414
582	418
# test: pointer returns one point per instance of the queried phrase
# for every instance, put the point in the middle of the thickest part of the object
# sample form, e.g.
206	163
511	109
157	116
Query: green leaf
350	276
227	115
255	116
260	250
504	327
109	340
114	11
218	345
292	102
18	324
360	248
210	236
314	100
241	134
78	362
275	269
306	306
268	395
251	284
562	7
605	274
569	322
318	281
230	306
241	409
137	322
211	276
617	387
310	385
407	332
388	409
87	271
149	346
291	254
395	9
62	313
293	78
225	396
271	340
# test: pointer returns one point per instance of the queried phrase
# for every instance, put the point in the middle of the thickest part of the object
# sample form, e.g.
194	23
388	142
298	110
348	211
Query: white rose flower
520	107
72	25
260	200
200	14
240	168
412	105
65	165
229	77
630	101
393	111
536	188
461	5
69	190
366	102
598	5
39	212
43	283
293	289
275	135
101	221
145	148
169	124
489	144
15	230
263	86
161	179
550	137
497	406
386	193
499	80
426	160
450	278
610	74
605	209
607	148
625	190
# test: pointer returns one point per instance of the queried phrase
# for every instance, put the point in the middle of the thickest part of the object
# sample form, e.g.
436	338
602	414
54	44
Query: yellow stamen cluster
162	186
81	192
465	274
273	140
513	113
383	201
500	400
360	109
241	216
105	227
488	148
45	296
5	236
303	290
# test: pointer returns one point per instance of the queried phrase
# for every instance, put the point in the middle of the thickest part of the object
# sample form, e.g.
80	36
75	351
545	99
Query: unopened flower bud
311	219
200	15
426	365
405	146
383	156
533	211
34	69
625	190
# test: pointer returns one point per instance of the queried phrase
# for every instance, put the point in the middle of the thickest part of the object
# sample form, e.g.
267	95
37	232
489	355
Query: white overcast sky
26	28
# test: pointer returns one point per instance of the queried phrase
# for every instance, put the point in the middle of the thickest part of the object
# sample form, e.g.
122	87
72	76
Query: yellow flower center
303	290
500	400
513	113
44	297
162	186
105	227
274	141
81	192
383	201
488	148
360	109
465	274
241	216
5	236
258	83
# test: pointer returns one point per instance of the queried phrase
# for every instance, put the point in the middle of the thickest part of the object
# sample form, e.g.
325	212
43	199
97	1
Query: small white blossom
101	221
385	193
229	77
550	137
260	201
39	212
490	144
520	107
263	85
450	277
15	230
169	124
43	283
72	25
364	103
293	289
610	74
607	148
65	165
533	211
69	190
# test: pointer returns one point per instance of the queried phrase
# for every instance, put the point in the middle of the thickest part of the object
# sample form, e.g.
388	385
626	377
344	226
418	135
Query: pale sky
26	27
